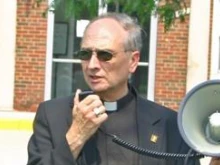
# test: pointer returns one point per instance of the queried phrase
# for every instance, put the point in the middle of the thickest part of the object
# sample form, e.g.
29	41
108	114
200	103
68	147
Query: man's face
108	78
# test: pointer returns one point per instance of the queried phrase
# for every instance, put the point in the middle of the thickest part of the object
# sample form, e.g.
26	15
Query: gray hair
134	39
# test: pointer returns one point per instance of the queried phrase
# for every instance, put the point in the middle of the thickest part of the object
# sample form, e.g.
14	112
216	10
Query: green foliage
143	9
168	12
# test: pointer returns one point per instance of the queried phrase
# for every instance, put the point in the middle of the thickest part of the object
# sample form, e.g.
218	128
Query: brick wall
171	64
30	55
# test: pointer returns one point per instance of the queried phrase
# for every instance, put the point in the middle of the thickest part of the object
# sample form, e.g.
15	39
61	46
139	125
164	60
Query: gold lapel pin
153	138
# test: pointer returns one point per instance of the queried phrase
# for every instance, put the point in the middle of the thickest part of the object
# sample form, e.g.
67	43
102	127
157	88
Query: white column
198	48
199	27
7	53
215	47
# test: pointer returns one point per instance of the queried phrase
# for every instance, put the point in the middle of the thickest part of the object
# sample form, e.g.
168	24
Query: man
70	131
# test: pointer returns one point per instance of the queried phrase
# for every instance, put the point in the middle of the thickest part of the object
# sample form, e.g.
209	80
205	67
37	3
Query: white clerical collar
110	106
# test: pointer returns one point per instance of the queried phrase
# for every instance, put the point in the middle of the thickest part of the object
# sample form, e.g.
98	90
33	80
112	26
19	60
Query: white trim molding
49	55
152	57
215	47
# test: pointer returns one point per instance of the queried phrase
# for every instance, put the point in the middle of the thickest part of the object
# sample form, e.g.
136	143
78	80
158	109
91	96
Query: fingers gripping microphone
199	118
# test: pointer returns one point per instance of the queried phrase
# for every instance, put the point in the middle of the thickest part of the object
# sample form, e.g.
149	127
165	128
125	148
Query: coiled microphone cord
155	154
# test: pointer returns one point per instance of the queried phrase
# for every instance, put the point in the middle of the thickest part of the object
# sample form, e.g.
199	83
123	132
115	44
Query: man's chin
98	89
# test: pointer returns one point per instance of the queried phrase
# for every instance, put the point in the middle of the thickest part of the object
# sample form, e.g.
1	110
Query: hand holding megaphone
215	161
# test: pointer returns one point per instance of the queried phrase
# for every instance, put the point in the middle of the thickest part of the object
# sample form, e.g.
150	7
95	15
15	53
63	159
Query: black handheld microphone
84	94
110	106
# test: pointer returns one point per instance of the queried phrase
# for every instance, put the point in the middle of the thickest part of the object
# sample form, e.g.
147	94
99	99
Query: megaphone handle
187	156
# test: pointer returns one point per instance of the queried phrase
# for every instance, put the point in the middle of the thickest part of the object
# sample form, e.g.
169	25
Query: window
66	70
140	77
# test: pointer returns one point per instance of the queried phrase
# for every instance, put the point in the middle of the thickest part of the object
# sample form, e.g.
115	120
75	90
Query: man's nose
94	61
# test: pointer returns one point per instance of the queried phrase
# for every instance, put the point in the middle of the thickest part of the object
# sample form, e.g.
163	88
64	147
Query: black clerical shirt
121	123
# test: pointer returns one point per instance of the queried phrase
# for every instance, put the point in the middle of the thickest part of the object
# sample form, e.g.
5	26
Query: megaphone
199	118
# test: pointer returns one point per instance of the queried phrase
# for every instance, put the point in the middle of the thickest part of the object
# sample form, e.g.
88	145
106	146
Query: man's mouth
94	78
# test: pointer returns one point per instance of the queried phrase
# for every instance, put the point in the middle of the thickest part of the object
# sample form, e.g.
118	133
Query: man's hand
85	121
215	161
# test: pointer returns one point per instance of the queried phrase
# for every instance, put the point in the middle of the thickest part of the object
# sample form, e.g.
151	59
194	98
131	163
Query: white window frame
50	59
49	55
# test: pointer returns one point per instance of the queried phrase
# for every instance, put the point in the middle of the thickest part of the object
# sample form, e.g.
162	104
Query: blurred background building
37	61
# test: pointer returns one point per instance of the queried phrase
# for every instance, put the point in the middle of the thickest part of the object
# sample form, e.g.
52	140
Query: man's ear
135	57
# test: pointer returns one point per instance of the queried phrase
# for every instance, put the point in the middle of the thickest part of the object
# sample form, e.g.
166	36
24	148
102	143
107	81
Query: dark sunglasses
102	55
